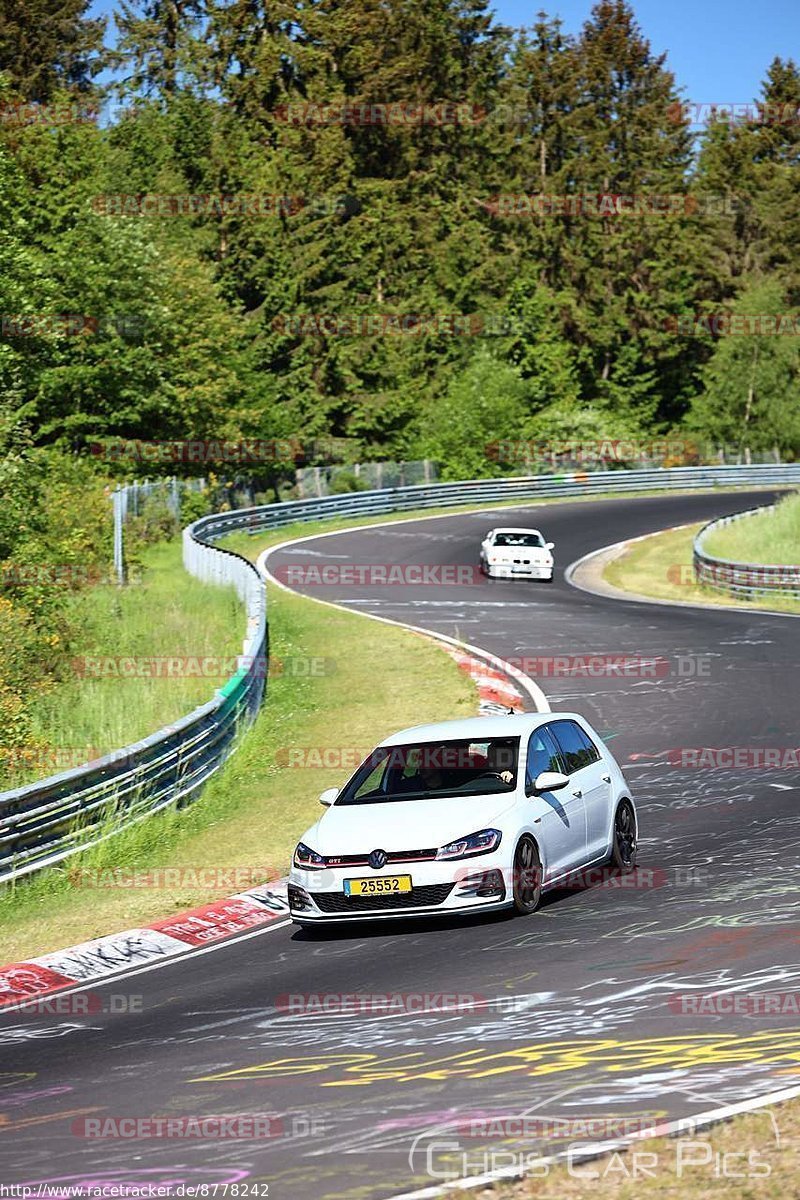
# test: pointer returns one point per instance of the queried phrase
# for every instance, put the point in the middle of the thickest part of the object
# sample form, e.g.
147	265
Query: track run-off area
590	1011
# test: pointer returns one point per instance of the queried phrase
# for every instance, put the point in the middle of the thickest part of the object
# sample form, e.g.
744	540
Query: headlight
475	843
308	859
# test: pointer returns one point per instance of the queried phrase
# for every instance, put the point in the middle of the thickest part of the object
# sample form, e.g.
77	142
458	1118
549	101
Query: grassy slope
165	615
752	1157
772	537
661	566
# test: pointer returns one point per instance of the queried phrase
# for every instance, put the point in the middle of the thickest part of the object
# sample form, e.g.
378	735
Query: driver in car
497	760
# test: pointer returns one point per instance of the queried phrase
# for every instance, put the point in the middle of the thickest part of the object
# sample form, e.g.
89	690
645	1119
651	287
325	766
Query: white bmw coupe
466	816
516	554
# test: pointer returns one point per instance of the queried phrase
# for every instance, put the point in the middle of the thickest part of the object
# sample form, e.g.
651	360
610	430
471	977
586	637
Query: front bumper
468	886
515	571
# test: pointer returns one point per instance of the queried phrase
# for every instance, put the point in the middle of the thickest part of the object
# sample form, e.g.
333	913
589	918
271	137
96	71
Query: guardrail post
119	519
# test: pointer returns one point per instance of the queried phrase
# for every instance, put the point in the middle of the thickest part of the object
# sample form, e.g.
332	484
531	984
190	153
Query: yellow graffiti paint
26	1122
604	1055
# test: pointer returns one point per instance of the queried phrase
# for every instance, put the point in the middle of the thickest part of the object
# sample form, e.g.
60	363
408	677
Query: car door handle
578	793
606	779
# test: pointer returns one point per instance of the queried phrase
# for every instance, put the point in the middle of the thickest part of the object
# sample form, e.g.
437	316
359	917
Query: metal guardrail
44	822
482	491
746	580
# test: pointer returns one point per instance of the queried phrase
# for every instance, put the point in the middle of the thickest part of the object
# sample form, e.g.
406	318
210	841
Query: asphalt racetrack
579	1010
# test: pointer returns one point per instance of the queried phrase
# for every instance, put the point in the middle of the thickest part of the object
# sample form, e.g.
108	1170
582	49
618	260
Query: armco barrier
745	580
44	822
483	491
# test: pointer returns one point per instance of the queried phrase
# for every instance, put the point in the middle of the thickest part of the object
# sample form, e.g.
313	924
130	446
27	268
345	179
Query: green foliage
49	44
191	319
751	397
484	404
346	481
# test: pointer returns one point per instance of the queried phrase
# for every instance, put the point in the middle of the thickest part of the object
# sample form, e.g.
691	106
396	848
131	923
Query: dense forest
385	229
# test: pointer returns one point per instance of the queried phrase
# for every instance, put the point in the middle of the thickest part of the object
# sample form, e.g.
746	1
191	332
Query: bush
345	481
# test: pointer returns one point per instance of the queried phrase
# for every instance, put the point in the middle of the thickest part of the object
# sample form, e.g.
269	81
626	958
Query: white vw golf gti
466	816
516	554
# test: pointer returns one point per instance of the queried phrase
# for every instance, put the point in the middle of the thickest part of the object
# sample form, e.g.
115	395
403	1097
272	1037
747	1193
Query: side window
577	747
373	780
542	755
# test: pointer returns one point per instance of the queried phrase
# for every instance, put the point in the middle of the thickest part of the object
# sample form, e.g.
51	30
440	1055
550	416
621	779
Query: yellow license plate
385	885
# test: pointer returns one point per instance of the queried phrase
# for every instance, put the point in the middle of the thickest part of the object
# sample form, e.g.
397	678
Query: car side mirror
328	796
549	545
549	781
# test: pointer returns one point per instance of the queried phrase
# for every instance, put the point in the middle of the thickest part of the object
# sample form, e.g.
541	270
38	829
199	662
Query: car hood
404	824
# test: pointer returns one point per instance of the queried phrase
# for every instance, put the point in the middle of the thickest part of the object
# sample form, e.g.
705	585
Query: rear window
519	539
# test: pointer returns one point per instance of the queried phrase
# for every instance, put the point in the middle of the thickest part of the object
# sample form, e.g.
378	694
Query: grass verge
96	708
251	815
770	537
752	1156
661	566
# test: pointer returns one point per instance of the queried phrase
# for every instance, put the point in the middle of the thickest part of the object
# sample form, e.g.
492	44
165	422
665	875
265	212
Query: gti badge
377	859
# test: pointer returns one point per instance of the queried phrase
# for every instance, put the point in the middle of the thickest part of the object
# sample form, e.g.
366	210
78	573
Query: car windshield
518	539
430	770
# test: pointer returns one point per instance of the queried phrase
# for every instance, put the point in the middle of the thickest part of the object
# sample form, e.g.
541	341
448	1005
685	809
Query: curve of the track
595	1028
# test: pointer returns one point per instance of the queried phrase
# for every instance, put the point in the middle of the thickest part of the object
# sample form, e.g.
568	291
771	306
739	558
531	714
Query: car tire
624	838
526	885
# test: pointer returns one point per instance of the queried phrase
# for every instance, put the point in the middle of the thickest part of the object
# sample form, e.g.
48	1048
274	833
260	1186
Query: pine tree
157	45
48	46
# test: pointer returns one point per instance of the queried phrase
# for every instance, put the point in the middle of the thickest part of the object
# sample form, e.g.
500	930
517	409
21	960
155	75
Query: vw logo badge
377	859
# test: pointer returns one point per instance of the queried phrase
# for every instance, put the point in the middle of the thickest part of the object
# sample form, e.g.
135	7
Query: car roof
515	529
476	728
